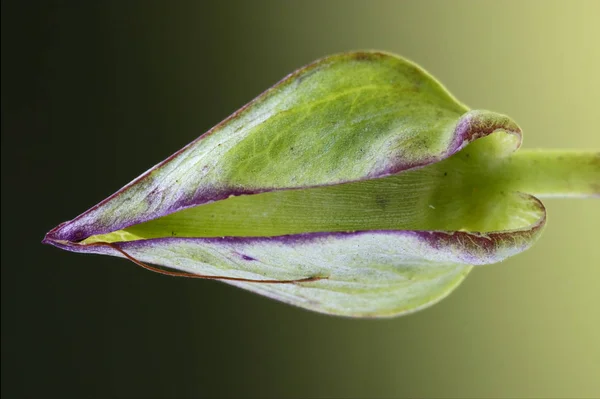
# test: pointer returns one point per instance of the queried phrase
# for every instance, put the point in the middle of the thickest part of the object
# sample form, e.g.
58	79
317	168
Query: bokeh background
94	94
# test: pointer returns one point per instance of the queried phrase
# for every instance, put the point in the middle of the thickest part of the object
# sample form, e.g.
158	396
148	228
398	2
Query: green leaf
359	171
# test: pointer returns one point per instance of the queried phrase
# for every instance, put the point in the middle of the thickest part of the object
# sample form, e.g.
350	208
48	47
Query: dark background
94	93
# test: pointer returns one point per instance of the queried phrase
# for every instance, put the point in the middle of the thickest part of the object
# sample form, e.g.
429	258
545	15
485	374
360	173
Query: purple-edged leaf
358	168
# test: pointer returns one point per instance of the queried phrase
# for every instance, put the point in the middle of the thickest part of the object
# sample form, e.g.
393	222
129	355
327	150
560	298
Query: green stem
553	173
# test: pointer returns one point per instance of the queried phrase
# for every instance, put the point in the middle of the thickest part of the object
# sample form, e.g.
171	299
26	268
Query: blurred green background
95	94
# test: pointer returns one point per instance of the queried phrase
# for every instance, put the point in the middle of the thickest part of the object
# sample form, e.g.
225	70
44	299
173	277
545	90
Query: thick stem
553	173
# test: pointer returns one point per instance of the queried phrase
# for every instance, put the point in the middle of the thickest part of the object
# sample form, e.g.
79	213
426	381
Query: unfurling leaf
356	186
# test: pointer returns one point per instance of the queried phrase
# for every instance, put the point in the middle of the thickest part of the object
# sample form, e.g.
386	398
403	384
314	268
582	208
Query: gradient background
93	95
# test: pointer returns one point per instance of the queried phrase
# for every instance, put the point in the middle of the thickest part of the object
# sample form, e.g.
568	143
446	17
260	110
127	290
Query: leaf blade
369	273
201	173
